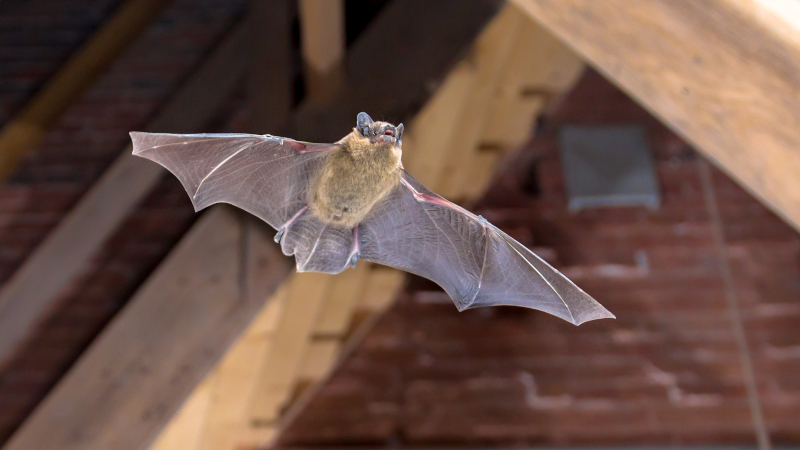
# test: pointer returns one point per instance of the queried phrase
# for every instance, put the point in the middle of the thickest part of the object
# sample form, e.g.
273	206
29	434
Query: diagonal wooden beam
99	424
722	73
23	133
144	364
28	296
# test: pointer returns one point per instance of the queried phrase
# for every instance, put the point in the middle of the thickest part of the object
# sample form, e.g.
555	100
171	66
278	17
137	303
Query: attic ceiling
668	371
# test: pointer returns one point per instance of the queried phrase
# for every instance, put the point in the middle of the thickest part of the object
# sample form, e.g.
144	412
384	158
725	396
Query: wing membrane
265	175
415	230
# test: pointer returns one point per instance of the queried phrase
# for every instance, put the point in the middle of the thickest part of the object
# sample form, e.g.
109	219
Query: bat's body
356	176
334	204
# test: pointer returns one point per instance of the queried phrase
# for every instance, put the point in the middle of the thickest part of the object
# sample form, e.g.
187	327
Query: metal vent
608	166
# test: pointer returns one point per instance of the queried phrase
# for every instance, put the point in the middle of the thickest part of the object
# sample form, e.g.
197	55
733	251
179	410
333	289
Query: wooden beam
490	57
22	134
722	73
306	297
185	430
322	42
139	371
233	380
28	296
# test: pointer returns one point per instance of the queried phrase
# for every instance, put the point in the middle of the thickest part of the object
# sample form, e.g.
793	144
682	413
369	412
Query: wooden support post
22	134
703	68
322	41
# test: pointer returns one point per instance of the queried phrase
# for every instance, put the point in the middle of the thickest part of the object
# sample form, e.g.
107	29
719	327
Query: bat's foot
354	252
286	226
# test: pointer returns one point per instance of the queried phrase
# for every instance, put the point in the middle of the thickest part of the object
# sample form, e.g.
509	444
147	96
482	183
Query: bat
335	204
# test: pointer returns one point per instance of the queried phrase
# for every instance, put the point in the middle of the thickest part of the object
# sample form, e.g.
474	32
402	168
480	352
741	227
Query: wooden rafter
25	131
722	73
322	41
28	296
303	350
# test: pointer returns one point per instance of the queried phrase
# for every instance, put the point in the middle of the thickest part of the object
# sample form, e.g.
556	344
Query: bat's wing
265	175
415	230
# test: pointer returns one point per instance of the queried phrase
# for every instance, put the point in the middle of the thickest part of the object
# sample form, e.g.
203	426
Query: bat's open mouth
388	132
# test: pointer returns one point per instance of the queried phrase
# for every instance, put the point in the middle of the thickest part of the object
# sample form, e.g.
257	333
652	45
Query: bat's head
379	132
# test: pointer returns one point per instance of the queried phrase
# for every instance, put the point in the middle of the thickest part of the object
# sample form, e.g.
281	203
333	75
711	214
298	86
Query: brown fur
354	178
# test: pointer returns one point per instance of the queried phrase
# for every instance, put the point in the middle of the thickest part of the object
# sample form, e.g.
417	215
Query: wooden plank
235	377
26	298
305	299
145	364
67	251
384	284
429	135
345	290
333	324
382	287
184	430
24	132
492	51
322	41
703	68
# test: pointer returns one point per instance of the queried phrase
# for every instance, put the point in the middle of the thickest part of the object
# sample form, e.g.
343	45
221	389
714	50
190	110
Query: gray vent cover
608	166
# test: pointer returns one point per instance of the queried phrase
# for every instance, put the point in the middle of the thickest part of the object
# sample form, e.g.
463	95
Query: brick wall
82	144
36	37
667	371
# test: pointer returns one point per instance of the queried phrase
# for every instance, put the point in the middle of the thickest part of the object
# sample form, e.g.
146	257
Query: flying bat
335	204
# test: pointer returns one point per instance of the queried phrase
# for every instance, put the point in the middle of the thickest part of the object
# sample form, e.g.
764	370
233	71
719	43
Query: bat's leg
286	226
353	258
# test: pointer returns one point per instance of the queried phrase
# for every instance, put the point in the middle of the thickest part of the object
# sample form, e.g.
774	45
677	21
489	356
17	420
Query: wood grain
141	368
722	73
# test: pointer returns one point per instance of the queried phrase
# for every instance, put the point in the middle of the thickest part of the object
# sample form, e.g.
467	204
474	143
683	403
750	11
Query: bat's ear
364	123
400	129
